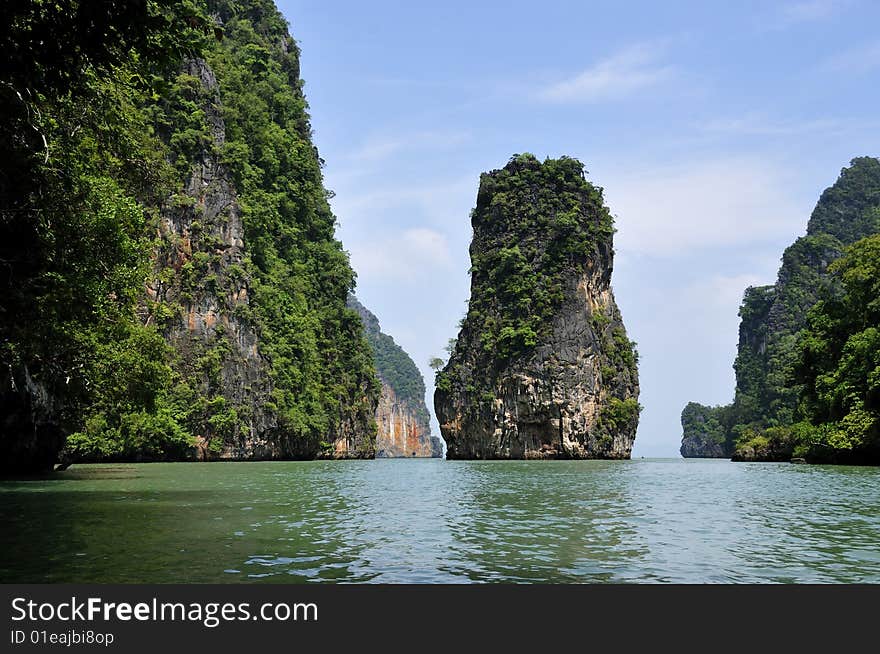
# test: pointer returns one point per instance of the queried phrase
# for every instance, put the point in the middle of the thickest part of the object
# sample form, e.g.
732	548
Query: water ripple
648	521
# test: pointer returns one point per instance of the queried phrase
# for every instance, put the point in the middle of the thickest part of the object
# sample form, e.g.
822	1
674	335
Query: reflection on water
389	521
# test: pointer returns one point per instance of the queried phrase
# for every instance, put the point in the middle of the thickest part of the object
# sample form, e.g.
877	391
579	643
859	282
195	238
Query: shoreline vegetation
808	360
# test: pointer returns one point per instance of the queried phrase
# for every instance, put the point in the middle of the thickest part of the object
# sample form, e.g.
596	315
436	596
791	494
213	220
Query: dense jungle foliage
775	412
100	132
837	368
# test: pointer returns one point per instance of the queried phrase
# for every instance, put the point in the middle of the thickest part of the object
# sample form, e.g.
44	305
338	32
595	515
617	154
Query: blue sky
712	126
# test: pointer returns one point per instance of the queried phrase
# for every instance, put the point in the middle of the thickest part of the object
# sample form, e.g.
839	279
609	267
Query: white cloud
754	124
811	10
440	202
375	150
383	147
722	203
427	243
402	256
856	61
792	14
630	70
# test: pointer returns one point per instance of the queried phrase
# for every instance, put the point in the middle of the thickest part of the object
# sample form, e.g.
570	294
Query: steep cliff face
542	366
404	428
30	433
325	386
174	286
772	316
199	291
249	281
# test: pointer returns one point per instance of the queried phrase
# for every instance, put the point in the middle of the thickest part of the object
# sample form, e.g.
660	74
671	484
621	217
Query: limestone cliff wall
404	428
199	274
202	283
30	433
187	203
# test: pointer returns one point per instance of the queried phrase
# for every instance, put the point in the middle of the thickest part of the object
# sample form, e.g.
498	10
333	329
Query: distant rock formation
403	432
704	435
404	428
542	367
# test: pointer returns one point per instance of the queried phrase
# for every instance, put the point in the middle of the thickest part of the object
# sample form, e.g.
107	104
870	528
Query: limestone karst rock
542	366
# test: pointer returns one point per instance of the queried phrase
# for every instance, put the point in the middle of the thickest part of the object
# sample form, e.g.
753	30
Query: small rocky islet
542	366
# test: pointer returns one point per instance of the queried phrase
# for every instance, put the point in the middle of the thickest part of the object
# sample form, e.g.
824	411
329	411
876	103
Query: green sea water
401	521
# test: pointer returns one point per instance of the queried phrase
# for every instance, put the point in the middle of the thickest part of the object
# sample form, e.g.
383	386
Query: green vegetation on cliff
531	218
837	371
321	365
839	364
531	214
102	127
850	209
774	414
80	179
